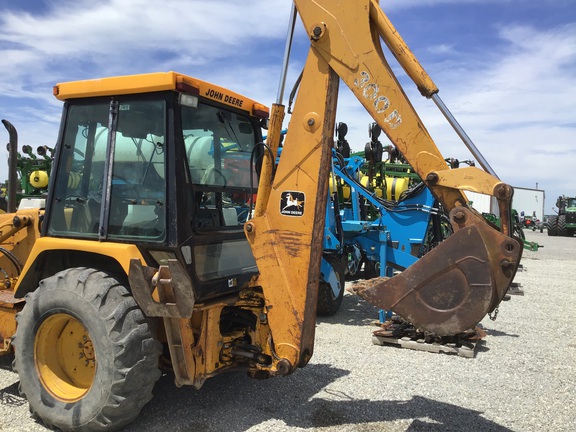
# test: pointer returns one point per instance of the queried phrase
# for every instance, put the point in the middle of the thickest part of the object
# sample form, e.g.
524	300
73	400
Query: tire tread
135	349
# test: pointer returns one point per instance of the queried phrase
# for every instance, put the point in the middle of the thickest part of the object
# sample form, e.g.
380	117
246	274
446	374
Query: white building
529	201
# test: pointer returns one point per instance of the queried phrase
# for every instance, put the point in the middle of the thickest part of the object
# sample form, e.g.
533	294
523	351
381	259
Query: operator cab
163	161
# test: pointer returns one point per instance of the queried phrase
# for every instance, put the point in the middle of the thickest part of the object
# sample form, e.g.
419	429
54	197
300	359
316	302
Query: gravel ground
522	378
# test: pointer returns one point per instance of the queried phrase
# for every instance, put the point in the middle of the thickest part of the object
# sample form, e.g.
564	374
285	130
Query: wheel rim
64	357
353	265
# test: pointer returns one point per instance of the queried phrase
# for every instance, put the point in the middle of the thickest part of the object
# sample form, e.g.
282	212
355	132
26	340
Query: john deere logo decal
292	203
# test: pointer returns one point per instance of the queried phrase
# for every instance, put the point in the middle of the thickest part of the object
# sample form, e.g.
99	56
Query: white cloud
84	39
518	106
134	33
442	49
511	96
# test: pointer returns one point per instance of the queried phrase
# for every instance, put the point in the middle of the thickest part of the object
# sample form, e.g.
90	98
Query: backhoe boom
454	286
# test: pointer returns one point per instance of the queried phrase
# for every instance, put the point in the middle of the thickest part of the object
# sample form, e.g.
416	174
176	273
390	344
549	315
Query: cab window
136	190
219	145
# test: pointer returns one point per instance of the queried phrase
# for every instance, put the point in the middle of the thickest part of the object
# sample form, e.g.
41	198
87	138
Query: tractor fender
50	255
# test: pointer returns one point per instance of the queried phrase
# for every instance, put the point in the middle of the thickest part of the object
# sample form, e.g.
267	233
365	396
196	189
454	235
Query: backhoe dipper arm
286	234
447	291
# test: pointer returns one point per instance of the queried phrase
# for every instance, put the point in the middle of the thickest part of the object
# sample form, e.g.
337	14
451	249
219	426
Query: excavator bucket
451	288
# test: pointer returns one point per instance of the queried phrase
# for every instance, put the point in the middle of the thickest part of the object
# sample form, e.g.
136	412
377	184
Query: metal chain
493	317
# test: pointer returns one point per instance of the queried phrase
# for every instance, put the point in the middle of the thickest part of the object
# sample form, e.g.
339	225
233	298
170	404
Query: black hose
12	258
293	92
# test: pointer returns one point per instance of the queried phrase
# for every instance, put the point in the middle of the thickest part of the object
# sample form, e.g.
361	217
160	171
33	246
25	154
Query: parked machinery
28	176
518	230
380	218
564	223
150	252
389	217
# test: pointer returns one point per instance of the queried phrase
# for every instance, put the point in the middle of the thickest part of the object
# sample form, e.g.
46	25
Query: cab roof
158	81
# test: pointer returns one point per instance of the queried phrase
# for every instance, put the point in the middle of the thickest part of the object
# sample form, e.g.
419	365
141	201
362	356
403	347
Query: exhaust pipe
12	166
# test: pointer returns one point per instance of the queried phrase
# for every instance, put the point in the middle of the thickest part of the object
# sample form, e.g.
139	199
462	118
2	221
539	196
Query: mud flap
451	288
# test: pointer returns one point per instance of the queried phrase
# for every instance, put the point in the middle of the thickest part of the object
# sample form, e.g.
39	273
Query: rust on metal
447	292
176	296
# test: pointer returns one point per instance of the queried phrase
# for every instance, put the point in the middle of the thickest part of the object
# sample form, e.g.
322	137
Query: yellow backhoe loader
148	245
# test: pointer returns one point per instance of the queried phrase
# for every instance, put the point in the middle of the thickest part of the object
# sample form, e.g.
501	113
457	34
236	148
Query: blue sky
505	68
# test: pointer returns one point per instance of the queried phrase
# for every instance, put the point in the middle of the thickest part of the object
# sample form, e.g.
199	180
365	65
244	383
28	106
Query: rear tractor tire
562	230
519	232
85	353
371	269
553	226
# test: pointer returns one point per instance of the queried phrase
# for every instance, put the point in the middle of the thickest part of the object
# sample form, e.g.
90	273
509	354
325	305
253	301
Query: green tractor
564	224
518	229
